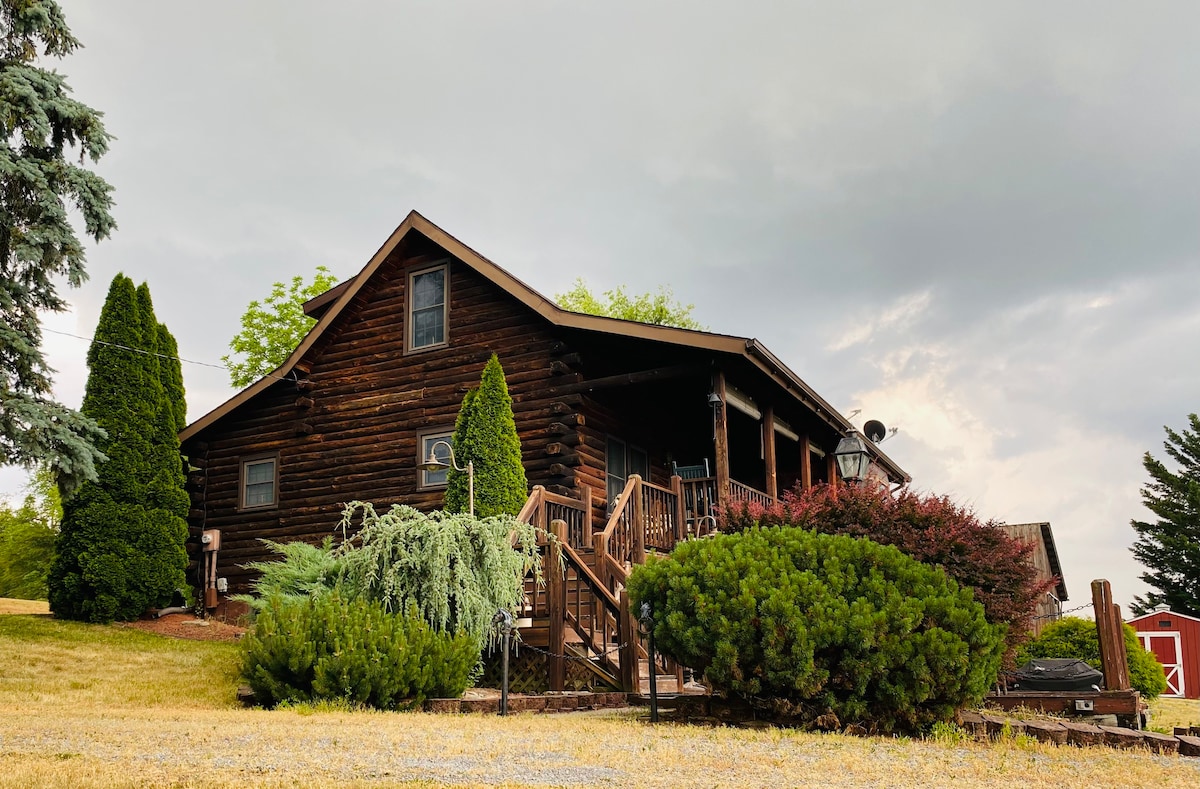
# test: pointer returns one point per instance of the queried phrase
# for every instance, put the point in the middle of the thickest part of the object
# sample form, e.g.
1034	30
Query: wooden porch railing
543	507
740	492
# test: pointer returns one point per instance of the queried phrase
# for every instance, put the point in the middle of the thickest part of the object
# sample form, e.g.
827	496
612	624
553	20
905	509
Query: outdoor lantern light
853	460
433	464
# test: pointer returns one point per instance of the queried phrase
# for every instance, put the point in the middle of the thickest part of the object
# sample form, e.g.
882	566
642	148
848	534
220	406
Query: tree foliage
1074	637
489	441
273	328
931	529
121	547
457	489
333	648
659	308
27	536
1169	545
824	630
454	571
45	133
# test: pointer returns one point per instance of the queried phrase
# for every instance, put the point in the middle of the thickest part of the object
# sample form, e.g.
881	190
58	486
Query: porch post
768	427
805	463
831	472
721	440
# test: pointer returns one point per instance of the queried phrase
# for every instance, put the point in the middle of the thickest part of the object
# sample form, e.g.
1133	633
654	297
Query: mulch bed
189	627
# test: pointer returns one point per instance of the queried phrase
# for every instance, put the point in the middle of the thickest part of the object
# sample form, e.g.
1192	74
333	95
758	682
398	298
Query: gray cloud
785	166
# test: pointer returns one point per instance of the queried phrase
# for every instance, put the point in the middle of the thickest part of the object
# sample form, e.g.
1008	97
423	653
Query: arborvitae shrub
1073	637
121	546
457	487
931	529
331	648
825	630
490	441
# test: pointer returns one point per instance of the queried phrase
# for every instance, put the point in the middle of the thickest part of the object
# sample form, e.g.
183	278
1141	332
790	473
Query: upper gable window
427	308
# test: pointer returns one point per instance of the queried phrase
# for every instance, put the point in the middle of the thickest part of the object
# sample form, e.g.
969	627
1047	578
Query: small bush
327	648
828	630
1073	637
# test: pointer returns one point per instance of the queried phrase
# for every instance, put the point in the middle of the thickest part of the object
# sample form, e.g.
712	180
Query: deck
581	615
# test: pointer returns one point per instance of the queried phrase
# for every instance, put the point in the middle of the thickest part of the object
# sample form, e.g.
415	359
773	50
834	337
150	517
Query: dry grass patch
260	748
11	605
51	664
92	706
1166	714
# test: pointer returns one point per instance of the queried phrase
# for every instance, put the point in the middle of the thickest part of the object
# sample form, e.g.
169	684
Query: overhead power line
153	353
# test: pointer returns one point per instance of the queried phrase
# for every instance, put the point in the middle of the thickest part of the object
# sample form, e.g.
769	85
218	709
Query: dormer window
427	308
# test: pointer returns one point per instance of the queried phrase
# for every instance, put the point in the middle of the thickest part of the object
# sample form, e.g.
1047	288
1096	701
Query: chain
1058	614
581	659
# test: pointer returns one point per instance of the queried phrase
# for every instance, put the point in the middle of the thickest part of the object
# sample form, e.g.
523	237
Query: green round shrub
825	630
1074	637
330	648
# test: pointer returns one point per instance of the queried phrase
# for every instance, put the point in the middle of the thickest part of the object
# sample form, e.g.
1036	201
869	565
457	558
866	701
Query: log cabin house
632	434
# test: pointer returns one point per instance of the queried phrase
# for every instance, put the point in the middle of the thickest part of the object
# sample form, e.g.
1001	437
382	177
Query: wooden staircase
581	613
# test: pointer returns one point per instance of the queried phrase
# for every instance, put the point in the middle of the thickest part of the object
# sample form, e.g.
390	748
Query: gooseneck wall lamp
432	463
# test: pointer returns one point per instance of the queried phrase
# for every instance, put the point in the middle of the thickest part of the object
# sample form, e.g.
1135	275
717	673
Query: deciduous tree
46	137
273	328
27	536
659	308
1169	545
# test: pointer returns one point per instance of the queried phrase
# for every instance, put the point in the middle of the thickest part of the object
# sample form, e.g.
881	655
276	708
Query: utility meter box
210	540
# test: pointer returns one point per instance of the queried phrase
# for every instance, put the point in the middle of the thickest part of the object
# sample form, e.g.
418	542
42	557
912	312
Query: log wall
349	432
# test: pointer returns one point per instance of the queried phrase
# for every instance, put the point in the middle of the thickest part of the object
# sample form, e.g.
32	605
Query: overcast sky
977	223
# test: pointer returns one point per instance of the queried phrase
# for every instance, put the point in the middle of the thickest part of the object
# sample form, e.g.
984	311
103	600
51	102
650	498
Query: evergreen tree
1169	546
172	377
121	547
457	488
490	441
45	136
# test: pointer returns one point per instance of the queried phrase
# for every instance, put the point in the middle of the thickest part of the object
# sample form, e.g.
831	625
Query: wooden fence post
680	514
585	495
628	634
1110	632
638	527
556	608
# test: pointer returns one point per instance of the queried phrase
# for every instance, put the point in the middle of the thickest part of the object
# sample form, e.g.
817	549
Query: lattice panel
528	671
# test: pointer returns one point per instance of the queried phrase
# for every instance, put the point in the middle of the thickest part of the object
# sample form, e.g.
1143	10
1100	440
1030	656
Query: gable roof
331	303
1018	530
1165	612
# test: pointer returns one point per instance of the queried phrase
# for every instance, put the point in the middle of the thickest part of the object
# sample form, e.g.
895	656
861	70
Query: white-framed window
621	461
425	443
427	307
258	484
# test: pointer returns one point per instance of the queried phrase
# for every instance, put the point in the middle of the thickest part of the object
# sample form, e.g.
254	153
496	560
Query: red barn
1175	641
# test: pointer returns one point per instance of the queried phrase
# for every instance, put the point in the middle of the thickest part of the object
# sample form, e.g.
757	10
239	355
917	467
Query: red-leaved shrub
931	529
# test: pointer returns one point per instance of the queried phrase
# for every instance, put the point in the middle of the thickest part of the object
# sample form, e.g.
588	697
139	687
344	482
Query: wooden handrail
532	505
595	585
619	507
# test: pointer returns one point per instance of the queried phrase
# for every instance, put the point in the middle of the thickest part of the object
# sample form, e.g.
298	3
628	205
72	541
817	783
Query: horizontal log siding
370	402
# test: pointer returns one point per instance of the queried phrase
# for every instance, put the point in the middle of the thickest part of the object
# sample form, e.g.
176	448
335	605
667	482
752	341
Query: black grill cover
1057	674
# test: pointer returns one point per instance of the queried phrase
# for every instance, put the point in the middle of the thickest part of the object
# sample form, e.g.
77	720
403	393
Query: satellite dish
874	430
